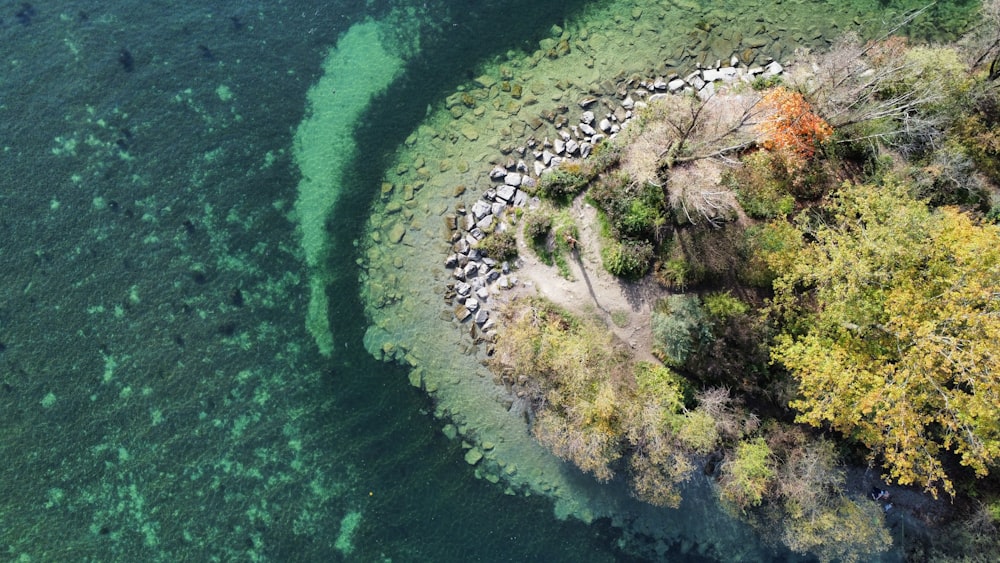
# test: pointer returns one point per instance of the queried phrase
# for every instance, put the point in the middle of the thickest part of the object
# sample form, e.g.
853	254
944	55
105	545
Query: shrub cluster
632	210
537	226
762	185
499	245
627	258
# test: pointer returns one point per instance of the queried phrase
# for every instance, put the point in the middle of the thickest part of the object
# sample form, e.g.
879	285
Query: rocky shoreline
572	133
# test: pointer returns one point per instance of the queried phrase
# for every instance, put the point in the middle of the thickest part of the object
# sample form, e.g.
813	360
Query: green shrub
566	180
632	210
769	250
680	328
762	186
722	305
537	225
628	259
678	273
762	83
499	245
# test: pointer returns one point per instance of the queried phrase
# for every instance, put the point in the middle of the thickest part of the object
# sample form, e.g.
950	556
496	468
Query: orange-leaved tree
791	127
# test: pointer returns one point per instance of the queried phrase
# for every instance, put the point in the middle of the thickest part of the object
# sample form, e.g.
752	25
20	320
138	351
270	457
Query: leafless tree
982	43
855	84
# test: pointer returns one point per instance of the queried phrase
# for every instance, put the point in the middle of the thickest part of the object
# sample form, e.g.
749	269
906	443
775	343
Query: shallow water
182	193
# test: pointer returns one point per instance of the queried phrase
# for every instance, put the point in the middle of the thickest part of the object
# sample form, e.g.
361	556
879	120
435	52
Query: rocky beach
464	173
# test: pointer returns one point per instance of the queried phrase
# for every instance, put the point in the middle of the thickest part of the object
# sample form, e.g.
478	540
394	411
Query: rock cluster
475	277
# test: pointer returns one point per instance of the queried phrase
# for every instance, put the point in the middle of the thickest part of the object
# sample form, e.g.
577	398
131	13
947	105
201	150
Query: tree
897	342
790	127
868	93
747	477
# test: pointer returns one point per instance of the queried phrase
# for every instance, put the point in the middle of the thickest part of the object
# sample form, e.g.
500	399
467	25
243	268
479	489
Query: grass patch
620	318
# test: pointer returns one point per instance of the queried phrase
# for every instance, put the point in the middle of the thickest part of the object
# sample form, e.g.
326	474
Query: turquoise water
182	374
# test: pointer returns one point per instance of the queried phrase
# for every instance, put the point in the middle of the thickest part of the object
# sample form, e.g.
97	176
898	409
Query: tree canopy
898	345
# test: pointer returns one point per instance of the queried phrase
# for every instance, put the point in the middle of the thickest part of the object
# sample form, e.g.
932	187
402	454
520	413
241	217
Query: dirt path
592	290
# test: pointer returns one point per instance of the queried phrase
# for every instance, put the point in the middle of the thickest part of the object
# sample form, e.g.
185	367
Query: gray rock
520	199
572	146
461	247
463	288
587	118
485	223
492	276
659	84
468	222
506	192
472	304
462	313
604	125
707	92
480	209
471	270
477	234
628	103
728	74
528	182
676	85
597	138
482	293
539	167
585	149
512	179
710	75
559	146
773	68
498	172
482	316
451	261
547	157
587	129
498	208
658	96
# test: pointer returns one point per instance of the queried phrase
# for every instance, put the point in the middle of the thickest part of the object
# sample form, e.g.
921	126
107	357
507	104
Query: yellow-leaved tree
897	338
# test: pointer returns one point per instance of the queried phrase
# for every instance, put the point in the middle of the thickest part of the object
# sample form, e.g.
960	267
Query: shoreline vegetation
855	319
818	256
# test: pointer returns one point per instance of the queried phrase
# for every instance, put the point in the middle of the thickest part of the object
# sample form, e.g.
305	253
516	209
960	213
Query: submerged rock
396	233
473	456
